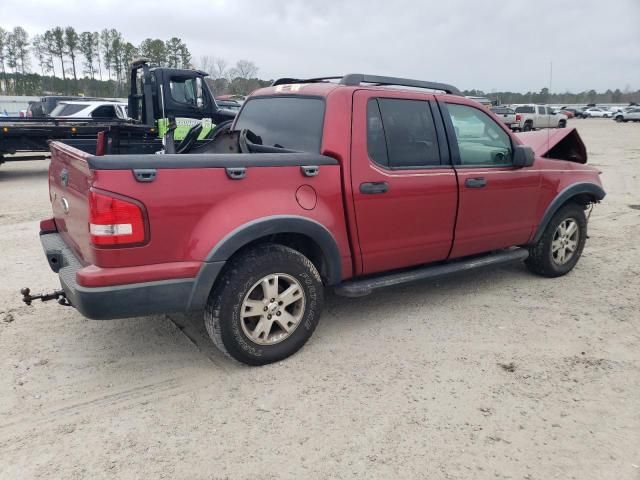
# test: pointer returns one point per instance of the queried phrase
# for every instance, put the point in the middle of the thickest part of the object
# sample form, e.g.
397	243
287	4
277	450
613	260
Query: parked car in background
229	104
569	112
90	109
507	116
533	117
235	98
628	115
45	105
596	112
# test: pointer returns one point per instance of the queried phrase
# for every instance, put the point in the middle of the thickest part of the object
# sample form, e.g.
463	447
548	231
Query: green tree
87	48
117	50
129	53
185	56
71	43
172	47
105	45
21	44
41	54
3	59
12	52
96	48
58	47
155	50
49	45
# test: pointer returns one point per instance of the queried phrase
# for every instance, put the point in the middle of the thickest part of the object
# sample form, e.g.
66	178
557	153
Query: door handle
369	188
478	182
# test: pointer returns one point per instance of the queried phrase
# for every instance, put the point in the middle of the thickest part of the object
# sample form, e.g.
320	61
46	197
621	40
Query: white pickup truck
533	117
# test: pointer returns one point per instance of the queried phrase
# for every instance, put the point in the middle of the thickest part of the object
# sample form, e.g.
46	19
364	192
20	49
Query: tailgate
69	183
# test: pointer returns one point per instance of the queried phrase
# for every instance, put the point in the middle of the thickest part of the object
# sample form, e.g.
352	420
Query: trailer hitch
58	295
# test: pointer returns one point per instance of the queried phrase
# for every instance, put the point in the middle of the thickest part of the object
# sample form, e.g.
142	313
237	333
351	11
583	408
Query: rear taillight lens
114	221
518	117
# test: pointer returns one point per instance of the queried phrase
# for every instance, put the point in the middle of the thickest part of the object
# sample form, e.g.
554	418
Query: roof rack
288	81
354	79
359	78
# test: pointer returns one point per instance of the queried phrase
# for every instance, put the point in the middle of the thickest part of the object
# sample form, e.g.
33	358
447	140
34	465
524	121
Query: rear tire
561	244
265	306
527	127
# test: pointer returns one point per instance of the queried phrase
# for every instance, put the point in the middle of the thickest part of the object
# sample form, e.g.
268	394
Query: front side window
401	133
187	91
293	123
481	141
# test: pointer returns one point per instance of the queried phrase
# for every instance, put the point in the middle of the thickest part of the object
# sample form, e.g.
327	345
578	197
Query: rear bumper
130	300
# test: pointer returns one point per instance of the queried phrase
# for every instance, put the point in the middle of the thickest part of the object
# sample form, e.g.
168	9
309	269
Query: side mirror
523	156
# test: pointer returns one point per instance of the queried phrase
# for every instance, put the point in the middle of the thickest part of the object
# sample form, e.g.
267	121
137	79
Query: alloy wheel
565	241
272	309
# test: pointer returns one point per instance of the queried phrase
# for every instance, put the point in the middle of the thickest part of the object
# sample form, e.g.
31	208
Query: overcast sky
488	45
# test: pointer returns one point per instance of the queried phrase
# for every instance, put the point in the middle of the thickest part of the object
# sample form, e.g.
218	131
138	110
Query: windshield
294	123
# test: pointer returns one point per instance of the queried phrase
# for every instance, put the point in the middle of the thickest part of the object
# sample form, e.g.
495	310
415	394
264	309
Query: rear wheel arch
306	236
579	193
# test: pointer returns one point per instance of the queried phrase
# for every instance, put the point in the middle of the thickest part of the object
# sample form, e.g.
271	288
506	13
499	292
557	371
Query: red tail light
518	117
114	221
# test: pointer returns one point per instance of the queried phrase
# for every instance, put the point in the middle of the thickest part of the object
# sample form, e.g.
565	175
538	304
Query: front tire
561	244
562	124
265	306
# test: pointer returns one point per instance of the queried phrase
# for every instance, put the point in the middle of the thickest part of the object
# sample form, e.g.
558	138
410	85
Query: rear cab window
525	110
291	122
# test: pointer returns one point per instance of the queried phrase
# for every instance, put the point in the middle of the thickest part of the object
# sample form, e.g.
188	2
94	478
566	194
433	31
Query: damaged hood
557	143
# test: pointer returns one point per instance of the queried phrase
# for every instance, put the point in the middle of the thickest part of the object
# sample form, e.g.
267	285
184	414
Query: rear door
497	203
542	118
404	188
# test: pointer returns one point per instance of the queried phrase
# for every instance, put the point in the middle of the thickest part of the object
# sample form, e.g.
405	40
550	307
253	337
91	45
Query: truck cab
534	117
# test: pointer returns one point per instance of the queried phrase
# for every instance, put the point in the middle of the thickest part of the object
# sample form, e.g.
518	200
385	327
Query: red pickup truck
350	183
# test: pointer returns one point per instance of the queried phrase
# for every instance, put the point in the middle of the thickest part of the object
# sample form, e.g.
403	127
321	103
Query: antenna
547	106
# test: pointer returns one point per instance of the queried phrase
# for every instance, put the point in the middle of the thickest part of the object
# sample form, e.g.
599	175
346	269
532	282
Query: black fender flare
571	191
249	232
254	230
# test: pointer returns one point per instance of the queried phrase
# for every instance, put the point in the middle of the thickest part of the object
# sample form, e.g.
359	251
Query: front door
497	201
404	188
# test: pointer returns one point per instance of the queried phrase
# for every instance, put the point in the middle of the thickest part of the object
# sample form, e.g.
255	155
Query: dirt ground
499	374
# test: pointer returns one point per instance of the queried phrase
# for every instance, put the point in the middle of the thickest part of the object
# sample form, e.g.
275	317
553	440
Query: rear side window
104	111
401	133
525	110
541	110
65	109
294	123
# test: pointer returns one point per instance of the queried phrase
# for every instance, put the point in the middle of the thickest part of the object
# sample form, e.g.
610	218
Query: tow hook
58	295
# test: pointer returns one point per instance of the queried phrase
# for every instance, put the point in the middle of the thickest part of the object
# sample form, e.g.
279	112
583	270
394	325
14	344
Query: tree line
567	98
91	63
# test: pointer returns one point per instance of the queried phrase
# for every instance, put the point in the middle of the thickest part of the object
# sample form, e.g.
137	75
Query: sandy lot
409	383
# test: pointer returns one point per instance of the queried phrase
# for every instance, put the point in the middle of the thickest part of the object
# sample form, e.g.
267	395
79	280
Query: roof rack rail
354	79
287	81
359	78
